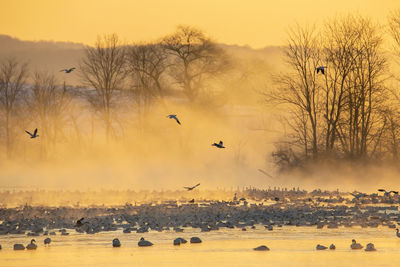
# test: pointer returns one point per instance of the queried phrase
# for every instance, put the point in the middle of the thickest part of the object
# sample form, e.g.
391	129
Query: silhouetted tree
195	58
47	107
13	76
146	65
103	69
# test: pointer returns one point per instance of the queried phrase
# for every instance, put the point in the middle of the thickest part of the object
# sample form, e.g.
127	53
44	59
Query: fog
152	152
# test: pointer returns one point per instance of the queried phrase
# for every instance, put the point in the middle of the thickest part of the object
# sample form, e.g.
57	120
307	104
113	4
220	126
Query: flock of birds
178	241
145	243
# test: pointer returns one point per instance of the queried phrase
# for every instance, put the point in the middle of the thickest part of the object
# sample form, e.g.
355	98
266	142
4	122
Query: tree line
112	74
350	110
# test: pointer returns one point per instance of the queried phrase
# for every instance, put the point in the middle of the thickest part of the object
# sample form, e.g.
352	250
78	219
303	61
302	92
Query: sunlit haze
257	23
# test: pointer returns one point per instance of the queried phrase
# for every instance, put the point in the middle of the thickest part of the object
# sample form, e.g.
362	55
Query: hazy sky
253	22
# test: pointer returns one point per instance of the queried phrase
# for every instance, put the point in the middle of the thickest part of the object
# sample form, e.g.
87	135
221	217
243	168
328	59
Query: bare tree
103	69
365	89
48	105
394	28
13	76
146	65
298	89
196	58
339	55
341	110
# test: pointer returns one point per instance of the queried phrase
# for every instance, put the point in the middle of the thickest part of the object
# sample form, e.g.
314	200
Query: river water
290	246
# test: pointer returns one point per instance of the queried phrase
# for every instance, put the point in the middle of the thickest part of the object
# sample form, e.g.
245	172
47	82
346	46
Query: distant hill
52	56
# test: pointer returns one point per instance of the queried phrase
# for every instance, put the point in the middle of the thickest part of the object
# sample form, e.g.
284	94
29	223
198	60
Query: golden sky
257	23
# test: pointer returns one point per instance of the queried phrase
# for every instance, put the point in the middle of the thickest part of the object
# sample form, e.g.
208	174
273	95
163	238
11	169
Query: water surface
290	246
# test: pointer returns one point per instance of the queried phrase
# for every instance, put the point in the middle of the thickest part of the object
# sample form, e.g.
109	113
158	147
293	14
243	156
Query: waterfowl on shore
321	247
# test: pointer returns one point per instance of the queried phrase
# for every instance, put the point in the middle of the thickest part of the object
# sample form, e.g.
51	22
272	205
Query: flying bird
68	70
387	193
357	195
265	173
321	69
34	135
191	188
219	145
174	117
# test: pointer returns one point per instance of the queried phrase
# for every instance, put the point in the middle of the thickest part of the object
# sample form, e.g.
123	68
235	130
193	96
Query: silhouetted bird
191	201
34	135
47	241
219	145
32	245
174	117
79	222
68	70
265	173
191	188
387	193
358	195
321	69
355	245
